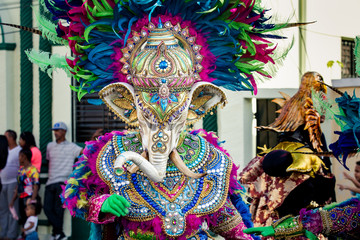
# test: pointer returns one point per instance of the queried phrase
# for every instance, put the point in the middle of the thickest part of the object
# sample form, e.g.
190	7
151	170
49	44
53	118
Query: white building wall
61	105
9	71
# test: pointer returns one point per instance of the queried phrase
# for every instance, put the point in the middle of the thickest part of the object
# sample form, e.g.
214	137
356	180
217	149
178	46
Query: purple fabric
344	217
311	220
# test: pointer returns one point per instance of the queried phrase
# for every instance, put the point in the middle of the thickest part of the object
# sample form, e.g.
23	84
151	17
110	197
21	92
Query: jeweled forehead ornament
162	63
162	59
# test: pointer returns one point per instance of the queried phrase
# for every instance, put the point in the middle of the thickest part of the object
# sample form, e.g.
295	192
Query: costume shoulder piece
178	195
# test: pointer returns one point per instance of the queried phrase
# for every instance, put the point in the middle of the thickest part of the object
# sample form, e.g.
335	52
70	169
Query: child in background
29	229
27	140
355	180
28	183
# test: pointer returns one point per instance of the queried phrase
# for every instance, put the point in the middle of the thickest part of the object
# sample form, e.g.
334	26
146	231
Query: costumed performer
277	181
341	220
158	66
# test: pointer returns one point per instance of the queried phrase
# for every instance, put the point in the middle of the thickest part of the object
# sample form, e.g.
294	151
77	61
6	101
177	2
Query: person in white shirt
9	226
61	155
29	228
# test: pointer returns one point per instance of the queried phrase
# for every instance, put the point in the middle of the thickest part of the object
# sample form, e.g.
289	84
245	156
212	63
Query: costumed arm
82	202
339	220
86	195
228	223
104	208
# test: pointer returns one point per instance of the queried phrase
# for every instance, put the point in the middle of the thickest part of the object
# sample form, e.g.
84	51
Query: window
88	118
265	114
348	59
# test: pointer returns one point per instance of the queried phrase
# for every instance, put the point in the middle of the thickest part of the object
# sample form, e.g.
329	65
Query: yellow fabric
304	163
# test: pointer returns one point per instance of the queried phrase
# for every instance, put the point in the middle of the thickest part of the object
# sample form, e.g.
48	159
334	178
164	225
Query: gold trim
223	101
294	229
226	191
115	87
327	223
183	180
98	163
228	225
136	47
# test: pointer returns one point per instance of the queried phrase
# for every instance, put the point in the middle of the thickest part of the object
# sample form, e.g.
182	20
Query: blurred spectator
4	152
355	180
9	226
28	184
61	155
97	134
29	229
27	140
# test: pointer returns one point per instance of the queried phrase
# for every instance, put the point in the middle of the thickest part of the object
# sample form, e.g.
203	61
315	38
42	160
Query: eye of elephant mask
162	109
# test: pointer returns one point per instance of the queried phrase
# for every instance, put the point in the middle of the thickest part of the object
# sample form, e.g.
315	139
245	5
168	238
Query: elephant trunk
155	169
148	168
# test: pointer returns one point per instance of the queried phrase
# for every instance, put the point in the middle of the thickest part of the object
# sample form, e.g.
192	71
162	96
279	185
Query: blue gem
155	98
159	144
160	134
173	98
163	104
163	80
163	64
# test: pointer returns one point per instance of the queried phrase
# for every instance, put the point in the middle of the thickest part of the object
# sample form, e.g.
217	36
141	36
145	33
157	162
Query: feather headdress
231	37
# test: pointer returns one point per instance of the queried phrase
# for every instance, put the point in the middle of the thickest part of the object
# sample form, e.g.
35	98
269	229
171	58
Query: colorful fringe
348	140
84	181
234	36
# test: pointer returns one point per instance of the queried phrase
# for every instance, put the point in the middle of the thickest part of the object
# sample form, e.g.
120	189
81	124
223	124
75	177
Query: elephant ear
204	97
119	97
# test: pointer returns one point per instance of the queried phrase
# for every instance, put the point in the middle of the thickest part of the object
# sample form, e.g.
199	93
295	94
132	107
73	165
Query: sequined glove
283	228
115	204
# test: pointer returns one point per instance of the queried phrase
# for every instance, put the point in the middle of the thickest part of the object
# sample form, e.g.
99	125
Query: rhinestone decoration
162	65
177	195
174	223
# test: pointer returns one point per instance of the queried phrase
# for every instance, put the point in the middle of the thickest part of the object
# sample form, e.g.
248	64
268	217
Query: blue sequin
163	64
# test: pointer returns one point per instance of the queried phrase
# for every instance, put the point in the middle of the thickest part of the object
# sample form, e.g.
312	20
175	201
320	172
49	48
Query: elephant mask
165	95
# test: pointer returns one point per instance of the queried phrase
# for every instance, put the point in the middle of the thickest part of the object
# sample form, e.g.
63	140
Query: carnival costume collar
177	196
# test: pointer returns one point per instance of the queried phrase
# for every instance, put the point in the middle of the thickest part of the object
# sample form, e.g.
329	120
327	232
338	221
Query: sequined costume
278	188
339	220
178	205
158	65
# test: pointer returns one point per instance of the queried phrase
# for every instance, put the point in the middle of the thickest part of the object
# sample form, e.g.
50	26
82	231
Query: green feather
46	62
44	7
278	57
48	30
357	54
